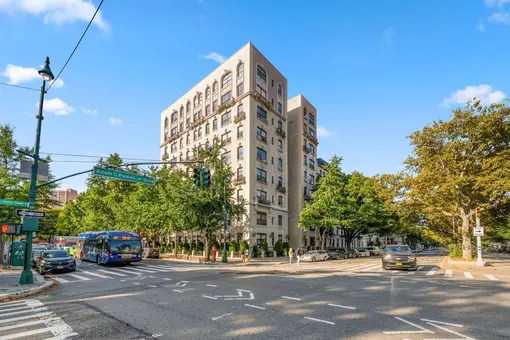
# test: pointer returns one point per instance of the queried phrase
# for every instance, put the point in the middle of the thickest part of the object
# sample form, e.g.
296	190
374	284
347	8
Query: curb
28	292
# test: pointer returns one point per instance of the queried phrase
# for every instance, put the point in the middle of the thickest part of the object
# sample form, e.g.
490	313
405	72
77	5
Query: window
279	124
199	114
173	147
305	130
261	155
166	150
311	119
280	181
312	133
207	128
261	238
305	160
240	70
279	90
280	163
240	89
261	218
240	109
240	152
280	238
312	179
226	157
166	136
188	122
261	75
261	175
280	145
312	149
181	114
166	122
181	127
261	134
226	118
261	91
194	135
207	94
226	97
262	194
181	143
200	132
195	101
173	131
311	163
215	124
280	201
280	220
187	139
240	131
226	80
261	114
215	87
240	174
215	105
239	195
188	107
226	138
280	107
207	110
187	155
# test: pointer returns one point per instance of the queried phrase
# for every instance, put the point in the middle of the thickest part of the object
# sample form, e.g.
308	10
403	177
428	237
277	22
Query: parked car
363	252
35	254
333	255
54	261
352	253
374	251
399	257
315	255
342	253
150	253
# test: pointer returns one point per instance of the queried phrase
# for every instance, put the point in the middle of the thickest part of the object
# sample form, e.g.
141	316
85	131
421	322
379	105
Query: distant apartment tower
244	103
64	195
303	166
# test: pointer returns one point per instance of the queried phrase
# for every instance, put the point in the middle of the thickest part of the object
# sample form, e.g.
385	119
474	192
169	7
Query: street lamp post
47	75
225	221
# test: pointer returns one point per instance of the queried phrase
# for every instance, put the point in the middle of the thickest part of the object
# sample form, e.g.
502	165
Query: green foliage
200	246
244	245
233	246
278	248
265	247
255	251
285	247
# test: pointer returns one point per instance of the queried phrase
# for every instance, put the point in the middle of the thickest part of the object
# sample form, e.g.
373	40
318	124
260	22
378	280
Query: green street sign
123	176
13	203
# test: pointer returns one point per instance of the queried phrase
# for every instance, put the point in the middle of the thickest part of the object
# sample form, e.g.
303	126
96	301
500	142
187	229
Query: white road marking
122	280
142	270
28	333
177	290
167	267
468	275
136	283
290	298
156	335
59	279
319	320
253	306
152	286
62	336
19	308
167	279
40	309
182	283
420	268
409	281
432	271
341	306
79	277
448	330
125	271
448	273
153	269
371	268
209	297
221	316
27	324
17	302
151	277
110	272
490	277
95	274
423	330
442	323
212	286
38	315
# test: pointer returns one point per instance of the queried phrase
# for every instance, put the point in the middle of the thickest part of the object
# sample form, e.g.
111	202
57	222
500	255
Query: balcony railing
280	188
280	132
240	116
263	200
226	141
262	118
263	100
307	149
239	180
261	222
262	138
164	157
197	122
262	179
226	105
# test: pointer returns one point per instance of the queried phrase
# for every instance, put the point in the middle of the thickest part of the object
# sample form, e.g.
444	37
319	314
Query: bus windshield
125	246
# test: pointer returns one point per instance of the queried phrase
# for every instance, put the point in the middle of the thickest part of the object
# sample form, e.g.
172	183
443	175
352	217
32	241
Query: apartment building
244	103
62	196
303	166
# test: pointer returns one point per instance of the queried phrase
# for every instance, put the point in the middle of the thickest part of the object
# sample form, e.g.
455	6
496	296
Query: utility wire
90	156
21	87
76	47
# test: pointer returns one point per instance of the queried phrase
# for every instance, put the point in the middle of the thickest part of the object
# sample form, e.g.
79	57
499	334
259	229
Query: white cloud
480	27
88	111
388	35
323	132
56	11
19	74
496	3
216	57
485	93
115	121
57	106
500	18
59	83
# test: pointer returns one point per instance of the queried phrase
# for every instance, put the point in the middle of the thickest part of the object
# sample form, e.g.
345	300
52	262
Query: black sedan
35	254
398	257
51	261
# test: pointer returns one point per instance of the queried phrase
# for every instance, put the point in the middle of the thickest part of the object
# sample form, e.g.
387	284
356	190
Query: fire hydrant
214	253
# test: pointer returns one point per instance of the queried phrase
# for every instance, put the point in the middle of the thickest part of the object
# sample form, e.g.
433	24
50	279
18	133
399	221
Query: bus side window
106	245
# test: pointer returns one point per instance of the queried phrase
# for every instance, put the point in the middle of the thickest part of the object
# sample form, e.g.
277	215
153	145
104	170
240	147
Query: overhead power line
78	44
91	156
18	86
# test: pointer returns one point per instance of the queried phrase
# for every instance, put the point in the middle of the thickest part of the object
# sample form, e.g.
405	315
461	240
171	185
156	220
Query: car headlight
412	259
387	256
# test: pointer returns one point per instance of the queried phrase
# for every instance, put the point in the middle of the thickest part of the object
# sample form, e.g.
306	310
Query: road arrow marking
181	283
240	295
422	330
221	316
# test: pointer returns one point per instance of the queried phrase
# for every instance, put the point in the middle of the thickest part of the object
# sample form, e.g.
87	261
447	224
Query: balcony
226	141
262	118
174	137
197	122
262	100
165	156
311	166
261	179
240	116
229	103
306	149
263	200
311	138
281	189
239	180
261	222
280	132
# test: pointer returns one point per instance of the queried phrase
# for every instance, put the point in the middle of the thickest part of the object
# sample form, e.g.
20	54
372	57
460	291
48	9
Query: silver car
315	255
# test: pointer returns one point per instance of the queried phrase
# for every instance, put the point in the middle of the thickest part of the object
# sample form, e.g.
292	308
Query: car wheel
74	269
313	259
40	270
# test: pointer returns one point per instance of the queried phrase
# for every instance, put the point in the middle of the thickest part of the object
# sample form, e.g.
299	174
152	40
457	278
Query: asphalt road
351	299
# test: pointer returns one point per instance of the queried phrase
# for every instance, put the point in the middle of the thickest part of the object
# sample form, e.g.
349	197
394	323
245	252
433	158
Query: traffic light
477	211
197	176
5	228
206	178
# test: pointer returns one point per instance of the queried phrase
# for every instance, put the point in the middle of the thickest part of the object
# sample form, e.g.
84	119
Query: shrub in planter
285	247
193	246
244	245
255	251
186	247
179	247
233	246
265	247
278	248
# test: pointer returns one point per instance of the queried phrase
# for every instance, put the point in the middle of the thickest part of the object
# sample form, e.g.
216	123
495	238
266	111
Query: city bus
108	247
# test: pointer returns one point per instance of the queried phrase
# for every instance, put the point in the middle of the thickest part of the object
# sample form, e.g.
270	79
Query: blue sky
375	70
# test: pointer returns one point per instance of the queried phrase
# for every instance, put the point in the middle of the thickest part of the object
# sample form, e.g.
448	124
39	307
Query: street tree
459	165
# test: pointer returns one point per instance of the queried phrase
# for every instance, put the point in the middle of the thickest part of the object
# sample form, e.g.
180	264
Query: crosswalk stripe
26	317
157	269
432	271
26	324
111	273
468	275
96	274
420	268
59	279
29	333
79	277
141	270
19	308
491	277
40	309
17	302
62	336
372	267
125	271
448	273
160	266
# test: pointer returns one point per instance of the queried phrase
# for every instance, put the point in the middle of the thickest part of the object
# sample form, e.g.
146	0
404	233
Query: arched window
199	99
182	112
240	69
215	87
279	90
166	150
174	116
188	107
207	93
226	80
261	74
195	101
166	122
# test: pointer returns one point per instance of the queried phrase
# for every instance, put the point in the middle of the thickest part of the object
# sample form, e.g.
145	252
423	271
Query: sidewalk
236	261
11	289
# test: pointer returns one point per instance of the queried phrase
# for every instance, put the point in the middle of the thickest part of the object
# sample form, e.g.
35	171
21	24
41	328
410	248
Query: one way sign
30	213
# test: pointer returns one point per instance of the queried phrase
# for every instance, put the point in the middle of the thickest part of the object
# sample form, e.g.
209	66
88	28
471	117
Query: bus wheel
97	260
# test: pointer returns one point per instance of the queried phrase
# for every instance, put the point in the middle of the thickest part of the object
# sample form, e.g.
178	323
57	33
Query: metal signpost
478	232
14	203
124	176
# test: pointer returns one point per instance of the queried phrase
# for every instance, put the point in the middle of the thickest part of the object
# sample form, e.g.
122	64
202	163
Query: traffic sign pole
479	260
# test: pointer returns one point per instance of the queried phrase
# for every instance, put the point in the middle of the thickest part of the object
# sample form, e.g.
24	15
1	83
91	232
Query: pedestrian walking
299	254
291	255
247	256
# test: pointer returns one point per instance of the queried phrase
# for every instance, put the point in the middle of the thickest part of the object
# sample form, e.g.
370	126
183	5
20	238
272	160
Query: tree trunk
467	252
323	237
207	238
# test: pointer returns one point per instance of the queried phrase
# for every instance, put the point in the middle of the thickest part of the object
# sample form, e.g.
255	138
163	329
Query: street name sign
478	231
14	203
30	213
123	176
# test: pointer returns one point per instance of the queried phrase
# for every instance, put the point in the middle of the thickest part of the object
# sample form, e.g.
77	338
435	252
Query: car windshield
398	249
54	254
125	246
311	253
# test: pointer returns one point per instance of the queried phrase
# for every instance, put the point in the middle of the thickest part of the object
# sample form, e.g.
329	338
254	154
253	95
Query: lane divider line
319	320
253	306
340	306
